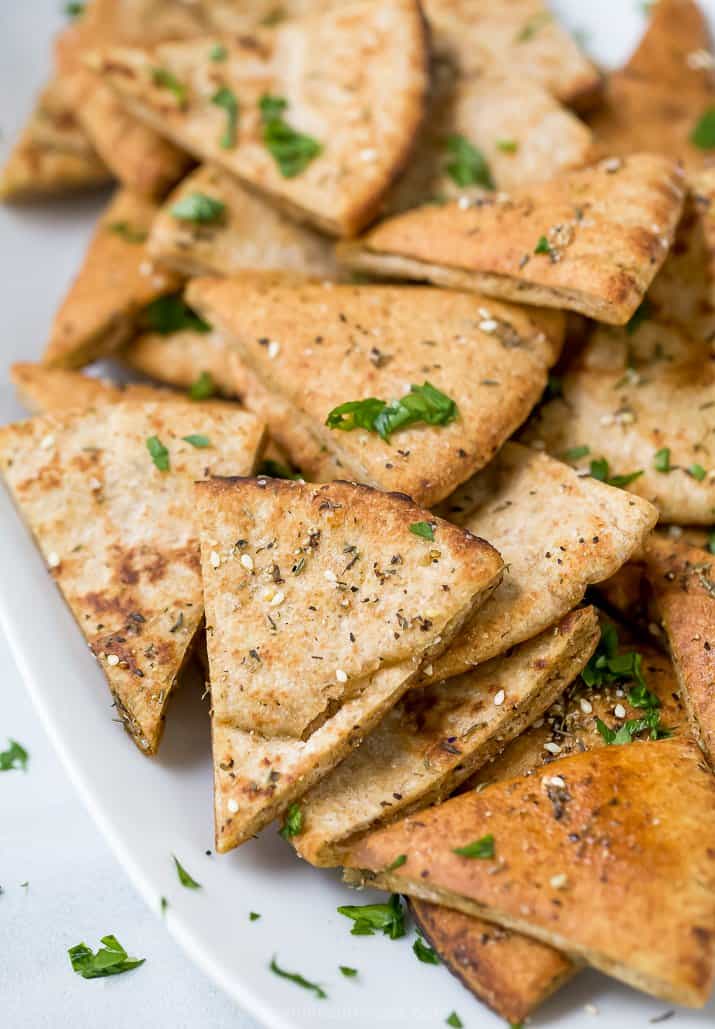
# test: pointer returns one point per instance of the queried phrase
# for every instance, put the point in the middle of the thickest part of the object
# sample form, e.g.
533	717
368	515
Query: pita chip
44	389
108	496
589	240
53	155
512	973
321	603
558	533
182	358
329	104
482	38
321	345
435	738
116	282
684	594
250	233
634	897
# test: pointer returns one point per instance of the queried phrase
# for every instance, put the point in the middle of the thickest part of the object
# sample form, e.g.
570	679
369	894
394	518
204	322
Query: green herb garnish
74	9
111	959
424	953
423	529
253	916
298	979
163	905
171	314
468	166
507	146
600	470
348	972
218	52
703	135
629	729
159	453
197	440
198	207
293	824
641	313
165	80
127	232
226	99
482	848
184	878
291	150
697	471
711	542
203	388
607	666
532	26
15	758
370	918
576	453
422	404
277	470
454	1020
397	863
661	460
543	246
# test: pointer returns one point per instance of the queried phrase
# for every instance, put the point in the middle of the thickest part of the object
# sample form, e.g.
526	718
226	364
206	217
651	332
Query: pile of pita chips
321	604
108	495
186	358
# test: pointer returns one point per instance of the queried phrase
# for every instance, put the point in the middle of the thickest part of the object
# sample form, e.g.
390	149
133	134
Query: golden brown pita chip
351	80
608	856
681	578
52	155
589	240
180	358
116	282
557	532
518	34
321	603
108	495
435	738
250	234
320	345
44	389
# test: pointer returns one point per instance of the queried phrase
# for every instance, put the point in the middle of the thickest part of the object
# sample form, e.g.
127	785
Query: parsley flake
203	388
163	905
425	954
543	246
399	861
467	166
629	729
291	150
348	972
703	135
198	207
74	9
293	824
641	313
111	959
661	460
482	848
197	440
697	471
226	99
184	878
576	453
507	146
607	666
600	470
422	404
423	529
15	758
711	542
159	453
253	916
532	26
454	1020
370	918
218	52
165	80
169	314
126	231
277	470
298	979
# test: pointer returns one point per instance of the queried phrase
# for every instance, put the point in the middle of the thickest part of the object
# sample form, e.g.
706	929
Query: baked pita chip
181	358
521	34
44	389
615	866
250	234
115	283
321	603
512	973
320	345
53	155
350	81
522	133
589	240
644	402
116	530
684	594
558	534
437	737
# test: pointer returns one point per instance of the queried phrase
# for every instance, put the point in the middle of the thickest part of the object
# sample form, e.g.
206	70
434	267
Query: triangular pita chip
117	531
44	389
682	581
352	79
615	866
181	358
644	401
437	737
250	233
521	131
320	345
557	532
589	240
519	34
116	282
321	603
512	973
52	155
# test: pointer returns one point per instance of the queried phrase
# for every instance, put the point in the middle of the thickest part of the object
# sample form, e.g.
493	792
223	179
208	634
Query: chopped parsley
298	979
197	440
423	529
218	52
203	388
184	878
74	9
422	404
703	135
543	246
253	916
532	26
641	313
711	542
661	460
165	80
576	453
482	848
424	953
348	972
554	388
629	729
163	905
291	150
397	863
467	165
111	959
697	471
293	824
277	470
198	207
454	1020
159	453
370	918
507	146
226	99
608	666
15	758
169	314
126	231
600	470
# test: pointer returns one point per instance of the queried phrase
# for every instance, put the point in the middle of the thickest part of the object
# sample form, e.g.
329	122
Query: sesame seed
429	669
112	659
586	706
619	711
488	325
278	598
553	748
215	559
94	485
559	881
369	154
590	1009
499	698
247	562
146	268
232	806
53	559
274	349
554	780
341	676
464	203
47	441
330	575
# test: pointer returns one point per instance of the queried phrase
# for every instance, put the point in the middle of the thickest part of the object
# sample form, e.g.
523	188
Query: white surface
150	809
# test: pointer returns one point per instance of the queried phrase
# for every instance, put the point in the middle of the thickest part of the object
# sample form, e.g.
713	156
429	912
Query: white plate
151	809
